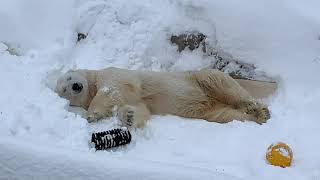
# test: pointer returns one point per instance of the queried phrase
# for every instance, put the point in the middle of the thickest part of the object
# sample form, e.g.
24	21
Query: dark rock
81	36
189	40
236	69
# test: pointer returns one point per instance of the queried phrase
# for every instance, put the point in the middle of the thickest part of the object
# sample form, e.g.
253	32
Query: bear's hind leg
220	87
225	114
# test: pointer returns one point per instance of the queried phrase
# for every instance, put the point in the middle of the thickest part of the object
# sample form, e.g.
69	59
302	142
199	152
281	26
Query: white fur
206	94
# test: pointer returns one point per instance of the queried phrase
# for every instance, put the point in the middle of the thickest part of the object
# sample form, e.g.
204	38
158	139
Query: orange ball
279	154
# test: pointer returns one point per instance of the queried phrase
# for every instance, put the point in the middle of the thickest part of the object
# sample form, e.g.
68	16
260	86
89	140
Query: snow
40	139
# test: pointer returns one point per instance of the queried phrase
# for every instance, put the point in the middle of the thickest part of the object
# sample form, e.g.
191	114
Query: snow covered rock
225	62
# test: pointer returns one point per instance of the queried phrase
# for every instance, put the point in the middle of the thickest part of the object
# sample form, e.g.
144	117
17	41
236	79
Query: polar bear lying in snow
206	94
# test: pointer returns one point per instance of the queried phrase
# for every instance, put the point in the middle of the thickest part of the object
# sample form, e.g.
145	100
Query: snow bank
24	160
40	138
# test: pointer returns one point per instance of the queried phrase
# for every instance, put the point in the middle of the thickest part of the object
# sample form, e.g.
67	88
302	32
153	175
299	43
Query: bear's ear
78	72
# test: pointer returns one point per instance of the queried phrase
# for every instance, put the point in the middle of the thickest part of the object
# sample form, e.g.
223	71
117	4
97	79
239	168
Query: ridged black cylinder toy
112	138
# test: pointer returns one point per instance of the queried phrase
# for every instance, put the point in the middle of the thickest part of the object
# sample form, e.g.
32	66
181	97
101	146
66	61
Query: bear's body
206	94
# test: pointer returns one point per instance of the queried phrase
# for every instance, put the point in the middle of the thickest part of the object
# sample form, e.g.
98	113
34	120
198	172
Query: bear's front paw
126	115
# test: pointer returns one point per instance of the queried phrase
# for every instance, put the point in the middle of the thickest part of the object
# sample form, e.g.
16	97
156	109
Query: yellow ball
279	154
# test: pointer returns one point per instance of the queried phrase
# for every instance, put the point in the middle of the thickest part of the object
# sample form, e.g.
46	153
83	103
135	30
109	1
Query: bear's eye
64	90
77	87
69	78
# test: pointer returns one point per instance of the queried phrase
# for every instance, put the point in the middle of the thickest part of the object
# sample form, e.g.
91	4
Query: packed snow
41	139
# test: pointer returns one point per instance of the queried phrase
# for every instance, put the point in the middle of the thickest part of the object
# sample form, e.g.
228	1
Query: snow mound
40	138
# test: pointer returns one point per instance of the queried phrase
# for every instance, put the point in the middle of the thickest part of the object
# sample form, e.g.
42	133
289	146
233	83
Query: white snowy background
40	139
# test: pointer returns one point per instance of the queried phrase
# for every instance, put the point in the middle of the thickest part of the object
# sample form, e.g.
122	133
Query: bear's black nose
77	87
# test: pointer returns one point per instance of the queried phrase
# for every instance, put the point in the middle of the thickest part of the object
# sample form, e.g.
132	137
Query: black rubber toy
112	138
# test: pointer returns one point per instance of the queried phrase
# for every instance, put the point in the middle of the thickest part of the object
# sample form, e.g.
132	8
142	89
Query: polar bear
135	95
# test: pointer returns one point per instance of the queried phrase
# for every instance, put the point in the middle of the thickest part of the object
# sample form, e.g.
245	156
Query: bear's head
74	86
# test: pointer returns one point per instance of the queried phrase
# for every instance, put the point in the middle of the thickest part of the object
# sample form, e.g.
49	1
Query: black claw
129	119
129	123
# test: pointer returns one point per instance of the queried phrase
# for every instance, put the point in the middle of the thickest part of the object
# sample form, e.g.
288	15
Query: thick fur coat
135	95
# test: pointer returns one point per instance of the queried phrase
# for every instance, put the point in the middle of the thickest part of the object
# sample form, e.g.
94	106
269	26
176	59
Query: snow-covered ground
40	139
